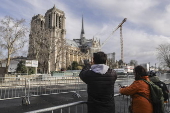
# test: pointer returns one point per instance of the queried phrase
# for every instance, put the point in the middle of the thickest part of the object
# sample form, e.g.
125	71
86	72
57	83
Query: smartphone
120	85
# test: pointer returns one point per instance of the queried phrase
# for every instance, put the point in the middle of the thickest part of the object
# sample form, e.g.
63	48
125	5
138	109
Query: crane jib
124	20
121	37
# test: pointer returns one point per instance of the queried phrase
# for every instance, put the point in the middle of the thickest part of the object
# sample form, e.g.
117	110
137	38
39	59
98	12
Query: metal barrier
14	87
55	85
75	107
120	107
122	103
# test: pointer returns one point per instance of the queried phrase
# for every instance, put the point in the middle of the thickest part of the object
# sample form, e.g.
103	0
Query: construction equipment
121	37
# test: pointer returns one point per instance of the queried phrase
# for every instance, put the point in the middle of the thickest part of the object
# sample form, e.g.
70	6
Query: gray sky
147	24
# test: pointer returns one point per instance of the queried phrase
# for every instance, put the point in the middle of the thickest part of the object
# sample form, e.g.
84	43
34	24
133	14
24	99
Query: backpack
162	85
157	98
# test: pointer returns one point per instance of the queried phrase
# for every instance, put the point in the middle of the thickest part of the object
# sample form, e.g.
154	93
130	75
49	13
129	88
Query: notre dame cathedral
54	22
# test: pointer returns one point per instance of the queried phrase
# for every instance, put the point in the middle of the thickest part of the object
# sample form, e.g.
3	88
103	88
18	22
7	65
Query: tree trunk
49	69
8	62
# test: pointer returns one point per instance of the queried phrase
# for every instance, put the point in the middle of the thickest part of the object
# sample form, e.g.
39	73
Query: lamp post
155	66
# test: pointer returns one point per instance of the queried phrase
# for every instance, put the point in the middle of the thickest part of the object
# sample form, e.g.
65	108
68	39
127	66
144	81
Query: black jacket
100	89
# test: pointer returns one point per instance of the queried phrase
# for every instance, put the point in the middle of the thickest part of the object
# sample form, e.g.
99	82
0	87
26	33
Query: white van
120	70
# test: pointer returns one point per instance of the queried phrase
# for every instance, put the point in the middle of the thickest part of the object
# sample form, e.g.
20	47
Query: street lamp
155	66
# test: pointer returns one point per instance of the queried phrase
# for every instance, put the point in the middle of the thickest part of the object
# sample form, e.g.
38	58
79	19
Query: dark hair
99	58
139	72
151	73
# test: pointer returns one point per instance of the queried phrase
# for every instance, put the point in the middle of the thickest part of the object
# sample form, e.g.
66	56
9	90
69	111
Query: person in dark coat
162	85
100	80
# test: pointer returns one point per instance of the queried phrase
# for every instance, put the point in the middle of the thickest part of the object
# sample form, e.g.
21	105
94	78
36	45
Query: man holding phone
100	80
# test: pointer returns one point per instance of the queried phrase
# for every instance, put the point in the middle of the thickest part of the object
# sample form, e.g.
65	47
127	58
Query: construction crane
121	37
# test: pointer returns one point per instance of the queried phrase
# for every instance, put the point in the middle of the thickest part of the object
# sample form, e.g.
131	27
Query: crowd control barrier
122	103
14	87
75	107
20	87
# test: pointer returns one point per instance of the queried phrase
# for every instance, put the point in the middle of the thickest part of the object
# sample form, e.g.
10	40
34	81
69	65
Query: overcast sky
147	24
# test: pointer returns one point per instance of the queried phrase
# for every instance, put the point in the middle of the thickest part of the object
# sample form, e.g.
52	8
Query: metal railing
122	103
55	85
80	106
75	107
14	87
20	87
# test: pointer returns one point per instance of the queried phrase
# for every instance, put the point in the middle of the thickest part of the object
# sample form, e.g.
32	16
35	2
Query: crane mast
121	43
121	37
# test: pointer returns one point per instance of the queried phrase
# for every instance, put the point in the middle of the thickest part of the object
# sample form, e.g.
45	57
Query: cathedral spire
82	29
54	6
82	35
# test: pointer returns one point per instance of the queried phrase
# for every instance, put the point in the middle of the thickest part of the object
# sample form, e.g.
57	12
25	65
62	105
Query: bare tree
37	40
13	36
38	43
44	46
54	47
163	54
1	53
61	51
1	58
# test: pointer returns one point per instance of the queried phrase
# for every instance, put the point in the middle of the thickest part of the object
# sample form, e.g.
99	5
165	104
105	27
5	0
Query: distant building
146	66
129	69
78	49
111	60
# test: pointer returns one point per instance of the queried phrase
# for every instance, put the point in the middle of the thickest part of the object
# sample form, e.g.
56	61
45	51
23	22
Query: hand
86	62
124	86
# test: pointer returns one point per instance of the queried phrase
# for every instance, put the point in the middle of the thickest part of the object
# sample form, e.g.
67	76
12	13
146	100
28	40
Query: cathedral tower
55	23
46	33
55	20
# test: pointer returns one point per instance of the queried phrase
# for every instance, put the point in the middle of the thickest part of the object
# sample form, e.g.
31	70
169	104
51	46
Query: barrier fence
81	107
55	85
122	103
14	87
75	107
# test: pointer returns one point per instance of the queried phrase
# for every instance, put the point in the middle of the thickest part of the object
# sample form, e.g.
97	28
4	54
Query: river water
127	80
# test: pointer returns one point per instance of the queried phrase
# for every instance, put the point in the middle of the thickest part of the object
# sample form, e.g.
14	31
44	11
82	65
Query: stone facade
52	27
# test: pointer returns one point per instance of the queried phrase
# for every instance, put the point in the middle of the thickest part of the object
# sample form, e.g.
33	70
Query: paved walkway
45	101
39	102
